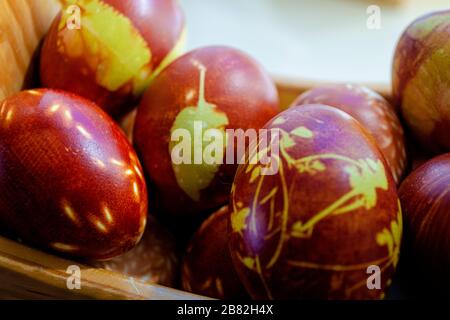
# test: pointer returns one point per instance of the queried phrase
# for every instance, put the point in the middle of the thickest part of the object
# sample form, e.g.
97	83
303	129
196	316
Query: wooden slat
23	23
26	273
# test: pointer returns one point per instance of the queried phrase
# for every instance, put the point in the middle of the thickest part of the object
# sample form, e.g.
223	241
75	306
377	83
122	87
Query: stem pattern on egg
105	49
365	177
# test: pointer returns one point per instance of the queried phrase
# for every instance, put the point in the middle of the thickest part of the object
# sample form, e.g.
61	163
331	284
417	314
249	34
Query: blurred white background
308	39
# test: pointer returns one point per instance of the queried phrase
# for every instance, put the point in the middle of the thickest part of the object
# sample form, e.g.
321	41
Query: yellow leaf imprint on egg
287	142
248	262
239	219
391	238
193	177
365	177
255	174
302	132
109	44
279	120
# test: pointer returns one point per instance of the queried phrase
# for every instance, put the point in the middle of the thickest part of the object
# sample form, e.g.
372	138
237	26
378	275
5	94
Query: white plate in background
325	40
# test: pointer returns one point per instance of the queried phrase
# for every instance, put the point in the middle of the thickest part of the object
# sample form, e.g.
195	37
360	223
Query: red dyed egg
108	50
153	260
373	112
69	179
328	214
425	199
207	267
210	89
421	83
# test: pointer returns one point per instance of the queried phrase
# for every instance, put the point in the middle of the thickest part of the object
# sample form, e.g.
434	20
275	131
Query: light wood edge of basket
33	267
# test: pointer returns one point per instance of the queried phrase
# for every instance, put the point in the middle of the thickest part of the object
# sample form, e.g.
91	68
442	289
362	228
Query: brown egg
207	267
329	211
374	113
211	89
153	260
69	179
425	199
109	50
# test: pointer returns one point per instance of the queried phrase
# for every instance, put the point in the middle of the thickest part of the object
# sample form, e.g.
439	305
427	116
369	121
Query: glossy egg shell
311	230
373	112
236	93
421	83
207	267
76	60
70	181
425	201
154	259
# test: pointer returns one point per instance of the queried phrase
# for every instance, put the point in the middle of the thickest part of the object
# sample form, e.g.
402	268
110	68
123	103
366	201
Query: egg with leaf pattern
420	81
374	113
109	50
324	220
208	90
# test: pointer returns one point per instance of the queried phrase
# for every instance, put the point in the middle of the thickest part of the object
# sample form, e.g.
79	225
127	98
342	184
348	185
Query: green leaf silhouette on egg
197	175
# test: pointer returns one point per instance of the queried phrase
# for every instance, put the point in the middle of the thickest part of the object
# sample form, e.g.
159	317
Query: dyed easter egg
69	179
373	112
109	50
425	201
421	83
189	107
207	267
323	219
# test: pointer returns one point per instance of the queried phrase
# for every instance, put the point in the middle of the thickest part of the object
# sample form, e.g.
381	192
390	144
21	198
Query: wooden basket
26	273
